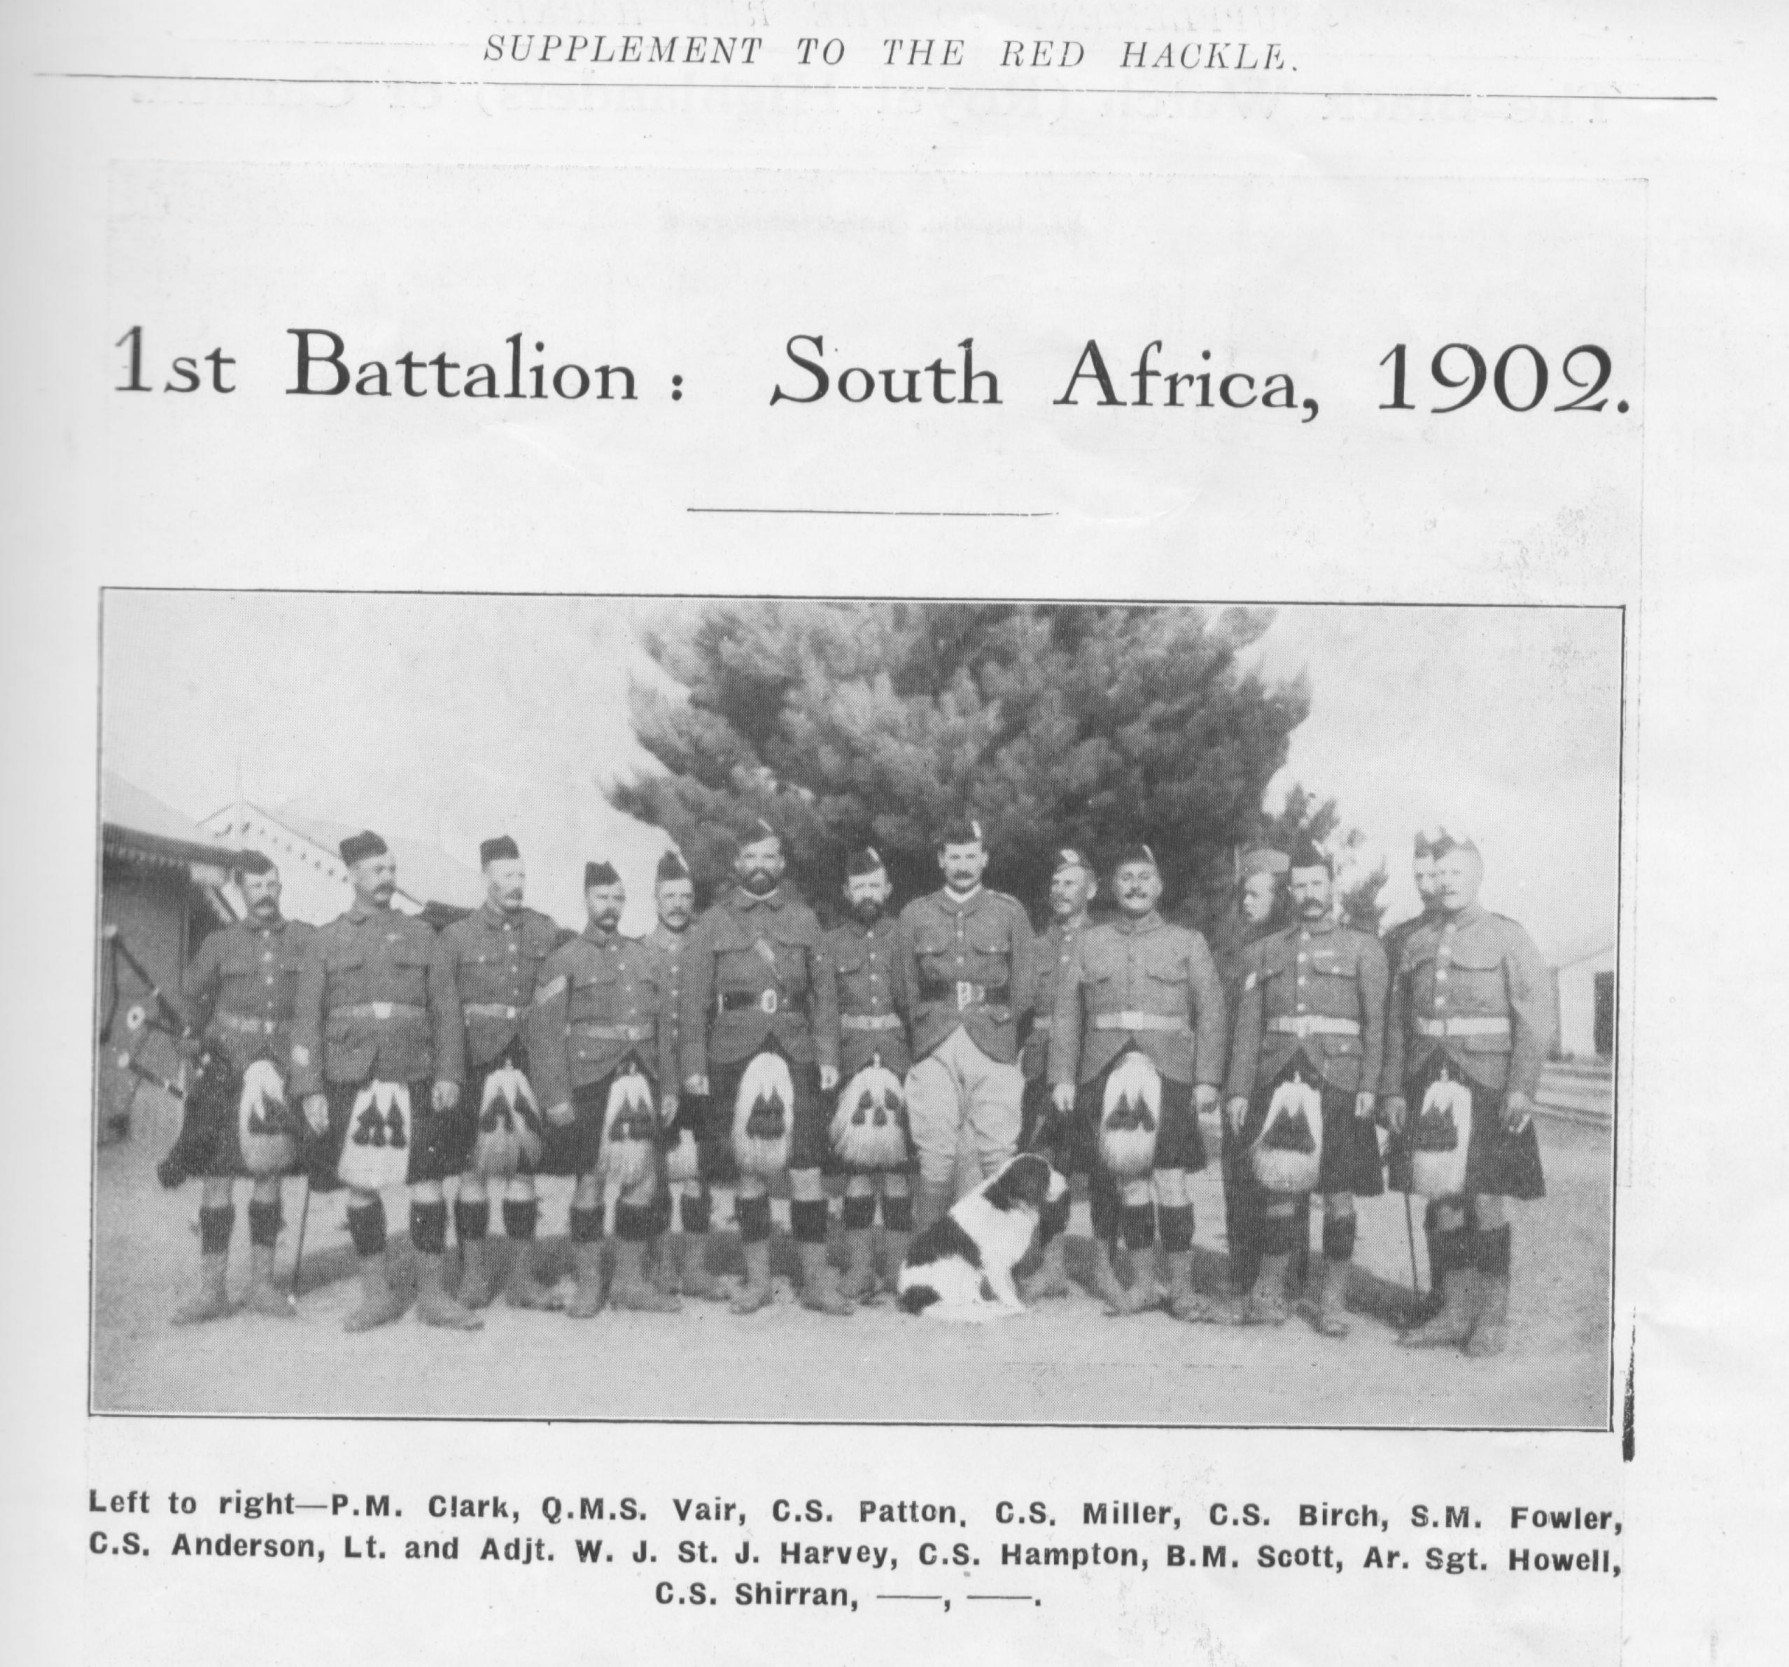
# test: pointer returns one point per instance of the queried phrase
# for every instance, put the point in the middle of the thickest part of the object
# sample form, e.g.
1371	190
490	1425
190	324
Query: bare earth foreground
1056	1364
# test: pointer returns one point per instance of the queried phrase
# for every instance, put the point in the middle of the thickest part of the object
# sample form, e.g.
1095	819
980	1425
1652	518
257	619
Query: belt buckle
768	1002
382	1009
965	994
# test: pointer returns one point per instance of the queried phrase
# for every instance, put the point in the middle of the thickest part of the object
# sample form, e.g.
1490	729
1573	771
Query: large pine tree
873	723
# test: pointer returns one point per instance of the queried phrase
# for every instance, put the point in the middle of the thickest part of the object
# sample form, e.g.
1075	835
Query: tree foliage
846	724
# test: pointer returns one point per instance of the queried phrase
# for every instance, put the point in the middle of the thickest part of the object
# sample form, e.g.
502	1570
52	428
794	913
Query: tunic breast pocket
1166	969
345	974
933	942
591	994
409	974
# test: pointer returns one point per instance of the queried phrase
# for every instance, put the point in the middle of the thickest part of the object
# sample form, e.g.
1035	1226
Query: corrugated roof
126	808
425	871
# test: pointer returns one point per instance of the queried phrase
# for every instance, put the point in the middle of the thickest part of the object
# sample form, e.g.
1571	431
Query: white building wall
314	884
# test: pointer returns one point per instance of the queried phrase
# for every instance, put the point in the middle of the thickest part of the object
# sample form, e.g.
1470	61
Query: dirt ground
1056	1364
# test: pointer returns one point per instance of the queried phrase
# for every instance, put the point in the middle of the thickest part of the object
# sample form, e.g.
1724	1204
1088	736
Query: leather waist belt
1141	1021
740	1001
1314	1024
492	1010
869	1021
615	1033
1462	1027
962	992
1041	1024
379	1010
249	1027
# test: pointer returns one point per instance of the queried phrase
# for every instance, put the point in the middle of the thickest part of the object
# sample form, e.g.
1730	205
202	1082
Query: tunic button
1441	975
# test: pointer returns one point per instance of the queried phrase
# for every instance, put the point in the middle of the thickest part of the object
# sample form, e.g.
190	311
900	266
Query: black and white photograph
737	1009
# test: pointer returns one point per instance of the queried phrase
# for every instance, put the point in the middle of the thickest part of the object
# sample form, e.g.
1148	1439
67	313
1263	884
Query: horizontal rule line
859	87
923	514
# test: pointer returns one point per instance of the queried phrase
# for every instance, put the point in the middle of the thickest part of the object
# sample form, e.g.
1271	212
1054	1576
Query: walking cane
1410	1234
304	1216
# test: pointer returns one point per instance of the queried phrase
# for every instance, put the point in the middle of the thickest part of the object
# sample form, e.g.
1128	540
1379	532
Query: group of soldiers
750	1048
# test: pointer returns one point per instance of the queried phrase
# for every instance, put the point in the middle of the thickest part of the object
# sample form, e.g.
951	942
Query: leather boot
1328	1312
587	1299
1184	1299
523	1288
1049	1278
433	1304
1490	1329
929	1203
632	1289
478	1275
264	1297
1268	1303
755	1293
695	1278
1453	1325
380	1304
212	1301
1105	1279
859	1283
894	1253
819	1284
661	1265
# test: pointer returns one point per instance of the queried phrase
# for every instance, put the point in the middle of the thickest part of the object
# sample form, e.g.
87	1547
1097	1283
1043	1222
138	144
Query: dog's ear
1025	1180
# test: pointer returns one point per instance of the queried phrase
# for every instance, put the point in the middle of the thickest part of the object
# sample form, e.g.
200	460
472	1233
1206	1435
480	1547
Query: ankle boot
632	1289
894	1253
819	1284
859	1283
1269	1304
661	1265
264	1297
694	1276
478	1274
1105	1278
211	1302
433	1304
1184	1299
380	1304
755	1293
1490	1328
1050	1278
587	1299
1329	1312
523	1288
1453	1325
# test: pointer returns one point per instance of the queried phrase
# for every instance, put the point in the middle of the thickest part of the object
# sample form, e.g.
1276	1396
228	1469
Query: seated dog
961	1267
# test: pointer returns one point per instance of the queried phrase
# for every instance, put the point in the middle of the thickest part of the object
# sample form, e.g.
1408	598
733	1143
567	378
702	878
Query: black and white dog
961	1267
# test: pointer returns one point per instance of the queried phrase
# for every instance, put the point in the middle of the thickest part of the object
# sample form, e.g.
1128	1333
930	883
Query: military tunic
1051	951
1313	1006
602	1002
1141	985
240	991
756	981
375	1004
967	962
871	993
1472	999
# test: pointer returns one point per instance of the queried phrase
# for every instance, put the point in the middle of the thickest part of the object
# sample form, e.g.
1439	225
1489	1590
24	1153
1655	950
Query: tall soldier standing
966	955
688	1145
1306	1059
602	1015
492	957
865	963
1257	914
1141	998
1073	886
1471	1021
375	1054
1428	891
756	989
239	993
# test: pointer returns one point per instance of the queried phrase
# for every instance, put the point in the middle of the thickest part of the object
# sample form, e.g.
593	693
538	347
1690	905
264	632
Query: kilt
1498	1163
1070	1141
574	1150
441	1143
1179	1144
1350	1144
473	1094
210	1143
810	1138
713	1137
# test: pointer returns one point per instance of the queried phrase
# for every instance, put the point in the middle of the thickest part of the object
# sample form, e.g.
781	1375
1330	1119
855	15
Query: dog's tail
917	1298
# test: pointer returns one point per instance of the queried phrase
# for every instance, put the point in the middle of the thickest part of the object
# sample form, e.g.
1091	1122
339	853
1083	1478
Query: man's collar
751	899
360	909
601	936
1140	923
961	899
495	916
1468	916
254	924
1318	927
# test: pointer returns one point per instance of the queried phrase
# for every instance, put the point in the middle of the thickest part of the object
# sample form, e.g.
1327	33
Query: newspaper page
879	832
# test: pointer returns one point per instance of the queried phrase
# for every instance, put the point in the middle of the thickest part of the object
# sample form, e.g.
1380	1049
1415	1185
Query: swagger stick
1410	1234
304	1216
